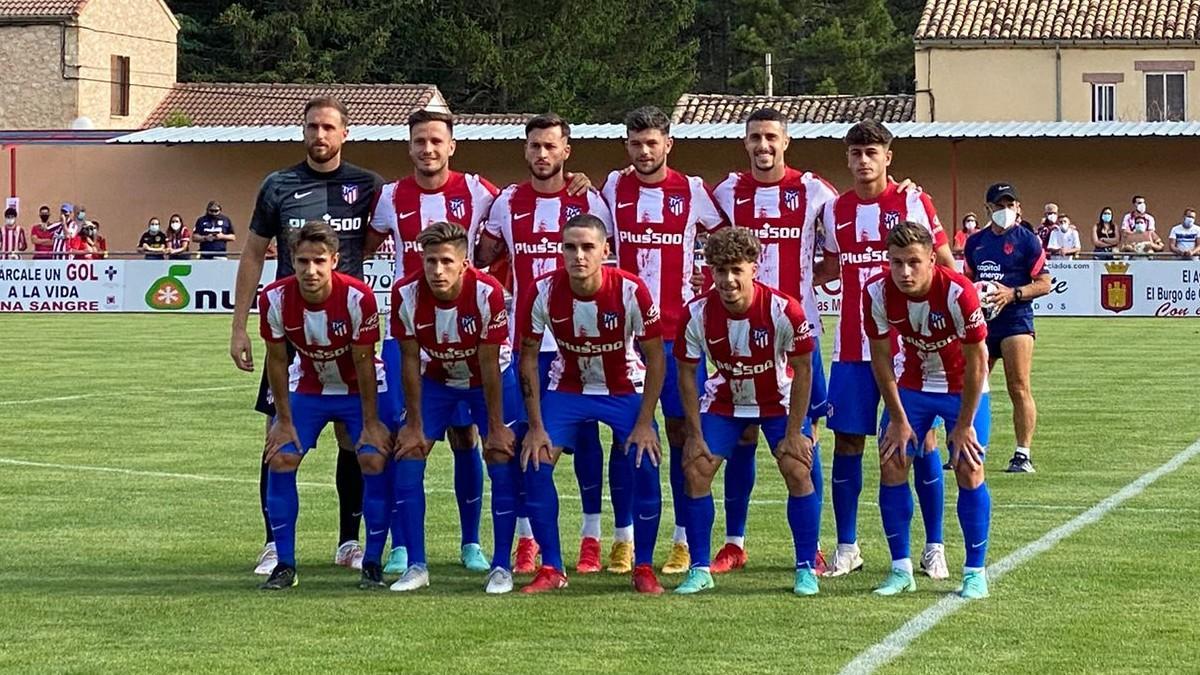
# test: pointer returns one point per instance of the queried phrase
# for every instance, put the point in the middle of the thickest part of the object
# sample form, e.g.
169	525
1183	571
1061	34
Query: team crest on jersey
937	320
891	219
468	324
572	211
610	319
675	204
791	199
338	328
760	337
350	193
458	207
1008	248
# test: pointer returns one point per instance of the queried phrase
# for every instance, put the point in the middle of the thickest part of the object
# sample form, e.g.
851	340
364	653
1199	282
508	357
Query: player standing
761	344
940	371
452	325
324	188
332	322
595	313
656	211
1015	261
781	206
525	224
856	228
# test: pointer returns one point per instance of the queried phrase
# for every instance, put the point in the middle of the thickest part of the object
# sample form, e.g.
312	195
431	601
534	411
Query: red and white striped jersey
931	328
783	216
12	241
322	334
405	208
750	351
856	231
449	332
595	335
654	227
530	225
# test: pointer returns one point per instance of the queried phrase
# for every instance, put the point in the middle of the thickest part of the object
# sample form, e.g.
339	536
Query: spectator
1104	235
1183	236
98	239
1142	240
79	245
66	218
1049	223
12	238
214	230
179	239
42	234
153	242
1063	243
1139	209
970	225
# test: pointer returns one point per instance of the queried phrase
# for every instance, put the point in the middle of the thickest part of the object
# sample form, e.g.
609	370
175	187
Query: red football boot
547	579
730	557
527	553
589	556
644	580
820	567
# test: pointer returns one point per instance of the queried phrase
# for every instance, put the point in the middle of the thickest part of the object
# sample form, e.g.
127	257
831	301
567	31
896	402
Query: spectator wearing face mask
42	234
1139	211
154	241
1142	239
1183	236
179	239
214	231
12	237
1063	243
62	230
1049	223
970	225
75	245
87	244
1104	235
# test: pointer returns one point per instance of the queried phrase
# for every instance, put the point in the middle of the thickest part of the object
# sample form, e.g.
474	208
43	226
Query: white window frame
1104	102
1163	74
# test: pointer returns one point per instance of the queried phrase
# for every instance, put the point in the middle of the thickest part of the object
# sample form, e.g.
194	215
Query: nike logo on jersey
715	341
621	205
848	223
302	195
423	326
518	216
406	214
292	327
743	200
896	322
563	320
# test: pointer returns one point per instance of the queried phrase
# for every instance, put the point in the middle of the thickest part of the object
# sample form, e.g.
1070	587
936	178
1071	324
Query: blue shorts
923	408
1001	328
818	399
672	404
311	412
853	398
442	406
564	415
722	433
461	417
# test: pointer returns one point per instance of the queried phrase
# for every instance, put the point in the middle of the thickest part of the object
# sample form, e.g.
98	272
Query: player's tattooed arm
488	250
537	443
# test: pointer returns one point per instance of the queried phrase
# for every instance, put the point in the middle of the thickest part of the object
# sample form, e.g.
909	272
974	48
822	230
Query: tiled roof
728	108
492	118
237	104
1059	20
13	9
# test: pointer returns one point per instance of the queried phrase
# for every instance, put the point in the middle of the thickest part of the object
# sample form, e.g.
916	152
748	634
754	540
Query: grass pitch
129	514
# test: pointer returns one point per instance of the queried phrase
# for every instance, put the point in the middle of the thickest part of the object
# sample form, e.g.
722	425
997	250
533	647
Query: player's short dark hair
767	115
422	116
588	222
438	234
646	118
548	121
326	101
10	212
869	132
316	232
1135	198
731	245
908	233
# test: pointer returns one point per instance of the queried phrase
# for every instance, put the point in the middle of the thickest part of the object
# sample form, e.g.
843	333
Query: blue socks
678	495
408	488
468	491
896	507
542	501
804	519
647	507
847	485
701	512
740	472
283	503
376	508
928	482
620	485
589	468
975	517
504	479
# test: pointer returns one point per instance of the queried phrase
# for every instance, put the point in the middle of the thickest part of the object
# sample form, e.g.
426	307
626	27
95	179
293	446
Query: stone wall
33	93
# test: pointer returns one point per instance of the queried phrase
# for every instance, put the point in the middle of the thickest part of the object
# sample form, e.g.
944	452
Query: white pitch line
894	644
109	394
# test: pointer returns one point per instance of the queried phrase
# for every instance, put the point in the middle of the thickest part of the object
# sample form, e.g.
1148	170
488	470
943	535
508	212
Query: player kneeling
455	315
761	344
594	313
333	322
940	371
